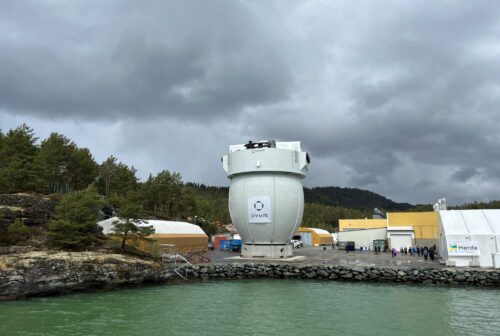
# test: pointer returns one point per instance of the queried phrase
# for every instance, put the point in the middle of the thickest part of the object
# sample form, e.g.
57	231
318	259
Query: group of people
416	251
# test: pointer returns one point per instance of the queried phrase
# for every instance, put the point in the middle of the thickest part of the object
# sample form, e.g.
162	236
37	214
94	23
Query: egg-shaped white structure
266	198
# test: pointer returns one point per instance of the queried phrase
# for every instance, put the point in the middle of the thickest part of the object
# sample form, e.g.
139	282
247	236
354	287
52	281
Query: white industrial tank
266	198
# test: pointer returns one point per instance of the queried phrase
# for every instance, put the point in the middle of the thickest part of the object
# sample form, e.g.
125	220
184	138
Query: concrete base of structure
496	260
266	251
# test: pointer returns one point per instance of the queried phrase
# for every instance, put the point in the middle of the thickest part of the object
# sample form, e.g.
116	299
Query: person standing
413	251
418	251
406	251
426	254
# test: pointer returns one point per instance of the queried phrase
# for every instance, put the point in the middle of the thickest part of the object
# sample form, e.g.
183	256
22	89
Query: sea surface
260	307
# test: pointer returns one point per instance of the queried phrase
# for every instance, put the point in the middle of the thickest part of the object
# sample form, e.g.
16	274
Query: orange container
217	241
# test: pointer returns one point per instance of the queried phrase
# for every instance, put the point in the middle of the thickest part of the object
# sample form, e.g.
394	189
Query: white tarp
160	226
480	231
467	237
493	218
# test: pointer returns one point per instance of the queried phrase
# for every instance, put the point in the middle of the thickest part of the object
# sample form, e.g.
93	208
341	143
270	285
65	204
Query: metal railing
169	252
183	267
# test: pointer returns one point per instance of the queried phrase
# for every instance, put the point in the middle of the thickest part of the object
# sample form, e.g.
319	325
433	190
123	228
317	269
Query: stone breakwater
453	277
52	273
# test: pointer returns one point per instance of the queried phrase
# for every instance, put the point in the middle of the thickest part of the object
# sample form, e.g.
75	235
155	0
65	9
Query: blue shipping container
223	244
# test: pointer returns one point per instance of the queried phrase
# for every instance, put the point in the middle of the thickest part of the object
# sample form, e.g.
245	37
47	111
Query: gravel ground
316	255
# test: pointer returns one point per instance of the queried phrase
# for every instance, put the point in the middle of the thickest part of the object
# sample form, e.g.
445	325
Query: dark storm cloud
188	59
422	89
464	174
400	97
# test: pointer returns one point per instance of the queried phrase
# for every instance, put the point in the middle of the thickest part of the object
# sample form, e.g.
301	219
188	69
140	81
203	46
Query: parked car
346	245
296	243
298	238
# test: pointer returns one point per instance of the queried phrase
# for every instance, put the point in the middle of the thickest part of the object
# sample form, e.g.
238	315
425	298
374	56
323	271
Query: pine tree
75	224
65	166
18	232
18	171
163	193
129	226
116	177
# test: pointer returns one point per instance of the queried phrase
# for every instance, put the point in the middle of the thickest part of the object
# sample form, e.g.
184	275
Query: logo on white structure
258	206
259	209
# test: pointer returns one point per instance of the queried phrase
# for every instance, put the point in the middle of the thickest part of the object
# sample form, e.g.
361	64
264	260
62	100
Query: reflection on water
260	307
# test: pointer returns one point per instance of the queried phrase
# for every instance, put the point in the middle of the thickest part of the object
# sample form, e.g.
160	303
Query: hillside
352	198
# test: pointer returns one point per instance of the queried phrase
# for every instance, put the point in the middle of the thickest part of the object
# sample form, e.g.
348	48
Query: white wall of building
362	237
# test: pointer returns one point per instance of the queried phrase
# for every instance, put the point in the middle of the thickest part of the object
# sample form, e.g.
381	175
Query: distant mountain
352	198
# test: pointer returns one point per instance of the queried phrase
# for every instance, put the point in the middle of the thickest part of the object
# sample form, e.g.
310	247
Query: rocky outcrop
33	209
453	277
48	273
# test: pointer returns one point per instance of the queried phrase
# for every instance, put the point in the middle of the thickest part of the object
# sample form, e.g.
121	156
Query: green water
260	307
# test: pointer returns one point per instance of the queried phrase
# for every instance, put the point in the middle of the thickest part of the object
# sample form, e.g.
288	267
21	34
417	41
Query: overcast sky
398	97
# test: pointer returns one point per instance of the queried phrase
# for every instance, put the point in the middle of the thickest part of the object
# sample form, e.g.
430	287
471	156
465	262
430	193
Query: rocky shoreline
44	273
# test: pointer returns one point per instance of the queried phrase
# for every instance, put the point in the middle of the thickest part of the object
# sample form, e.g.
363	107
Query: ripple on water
260	307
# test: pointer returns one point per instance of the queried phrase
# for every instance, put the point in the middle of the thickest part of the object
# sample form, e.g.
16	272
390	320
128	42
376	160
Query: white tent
107	225
184	236
480	231
493	217
173	227
467	237
160	226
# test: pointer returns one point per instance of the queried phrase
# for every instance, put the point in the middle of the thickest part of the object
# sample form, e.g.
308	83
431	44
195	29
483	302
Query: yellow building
425	224
358	224
314	236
